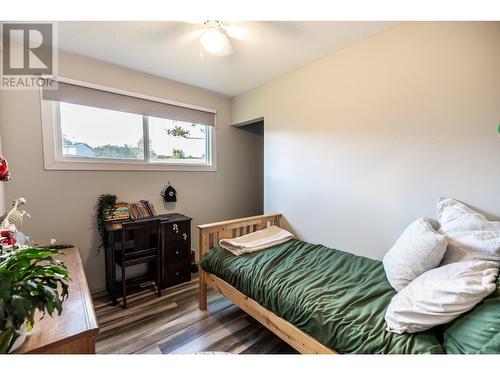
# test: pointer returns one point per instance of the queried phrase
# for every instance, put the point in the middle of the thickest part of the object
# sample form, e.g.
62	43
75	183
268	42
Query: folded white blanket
259	240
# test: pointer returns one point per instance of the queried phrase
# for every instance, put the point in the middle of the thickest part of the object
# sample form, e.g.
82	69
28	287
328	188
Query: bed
317	299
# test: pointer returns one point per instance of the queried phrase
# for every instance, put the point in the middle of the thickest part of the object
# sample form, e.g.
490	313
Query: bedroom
147	141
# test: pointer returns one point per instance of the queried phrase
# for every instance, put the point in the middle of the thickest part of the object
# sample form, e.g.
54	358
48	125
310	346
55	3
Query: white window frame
53	150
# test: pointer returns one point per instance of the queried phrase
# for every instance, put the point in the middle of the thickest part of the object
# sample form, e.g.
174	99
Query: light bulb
213	40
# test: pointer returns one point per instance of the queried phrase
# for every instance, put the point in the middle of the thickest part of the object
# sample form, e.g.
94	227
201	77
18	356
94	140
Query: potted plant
31	279
105	205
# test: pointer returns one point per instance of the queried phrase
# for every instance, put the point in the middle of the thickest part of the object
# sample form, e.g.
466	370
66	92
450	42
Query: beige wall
359	144
62	203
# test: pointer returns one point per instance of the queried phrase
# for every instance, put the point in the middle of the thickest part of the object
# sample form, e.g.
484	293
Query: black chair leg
113	290
124	288
113	293
113	285
158	277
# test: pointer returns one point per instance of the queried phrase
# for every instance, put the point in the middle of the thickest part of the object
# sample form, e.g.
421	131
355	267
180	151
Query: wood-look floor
173	324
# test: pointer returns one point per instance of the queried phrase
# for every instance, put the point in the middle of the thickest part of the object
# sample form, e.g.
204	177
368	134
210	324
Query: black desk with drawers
175	250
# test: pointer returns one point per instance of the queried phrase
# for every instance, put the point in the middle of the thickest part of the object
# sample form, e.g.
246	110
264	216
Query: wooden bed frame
209	237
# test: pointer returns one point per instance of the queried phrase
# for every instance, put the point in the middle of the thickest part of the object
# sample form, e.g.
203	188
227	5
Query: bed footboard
210	234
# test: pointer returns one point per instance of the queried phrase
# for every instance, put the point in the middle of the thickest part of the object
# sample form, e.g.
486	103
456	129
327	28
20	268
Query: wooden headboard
210	234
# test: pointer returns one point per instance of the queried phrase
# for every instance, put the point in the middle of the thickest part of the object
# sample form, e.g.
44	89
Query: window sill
76	165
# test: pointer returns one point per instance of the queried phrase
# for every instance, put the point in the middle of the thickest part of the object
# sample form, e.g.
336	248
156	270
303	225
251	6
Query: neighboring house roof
78	148
68	143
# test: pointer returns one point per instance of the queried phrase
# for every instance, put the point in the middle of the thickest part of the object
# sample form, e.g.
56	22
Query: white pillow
470	235
420	248
440	295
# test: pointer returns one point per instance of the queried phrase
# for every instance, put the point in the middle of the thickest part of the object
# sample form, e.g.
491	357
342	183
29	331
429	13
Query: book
119	212
141	209
149	208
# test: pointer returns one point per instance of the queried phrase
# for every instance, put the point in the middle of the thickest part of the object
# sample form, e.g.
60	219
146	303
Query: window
89	132
178	141
95	133
92	137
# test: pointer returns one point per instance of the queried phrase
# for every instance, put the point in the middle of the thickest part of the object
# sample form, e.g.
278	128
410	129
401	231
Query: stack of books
119	212
141	209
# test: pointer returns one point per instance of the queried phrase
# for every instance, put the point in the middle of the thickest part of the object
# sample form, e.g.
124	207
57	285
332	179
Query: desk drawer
177	273
178	251
179	231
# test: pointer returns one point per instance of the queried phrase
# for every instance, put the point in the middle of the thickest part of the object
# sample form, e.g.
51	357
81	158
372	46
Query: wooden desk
74	331
175	245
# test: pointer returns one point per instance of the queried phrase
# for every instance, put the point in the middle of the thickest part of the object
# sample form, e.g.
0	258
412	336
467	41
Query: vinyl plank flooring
153	330
173	324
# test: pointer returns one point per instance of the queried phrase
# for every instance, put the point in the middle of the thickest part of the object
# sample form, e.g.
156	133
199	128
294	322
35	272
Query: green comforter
338	298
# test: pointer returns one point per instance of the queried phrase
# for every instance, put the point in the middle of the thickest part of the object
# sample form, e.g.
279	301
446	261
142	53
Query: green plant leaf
5	339
30	280
105	205
19	309
5	289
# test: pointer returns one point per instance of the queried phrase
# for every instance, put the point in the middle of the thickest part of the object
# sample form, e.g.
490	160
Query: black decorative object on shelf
169	194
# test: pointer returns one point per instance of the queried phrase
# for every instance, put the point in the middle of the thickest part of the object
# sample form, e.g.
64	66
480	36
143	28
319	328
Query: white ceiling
260	51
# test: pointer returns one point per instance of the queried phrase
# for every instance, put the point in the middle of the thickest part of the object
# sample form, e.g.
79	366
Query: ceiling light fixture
214	38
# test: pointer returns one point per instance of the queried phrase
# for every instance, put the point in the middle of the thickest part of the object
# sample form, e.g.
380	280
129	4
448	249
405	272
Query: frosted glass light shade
213	40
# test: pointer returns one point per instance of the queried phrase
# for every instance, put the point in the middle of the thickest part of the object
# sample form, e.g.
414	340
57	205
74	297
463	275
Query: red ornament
4	170
6	233
8	237
8	241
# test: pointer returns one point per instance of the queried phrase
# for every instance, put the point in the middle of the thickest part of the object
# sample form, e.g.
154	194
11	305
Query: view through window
94	134
177	140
